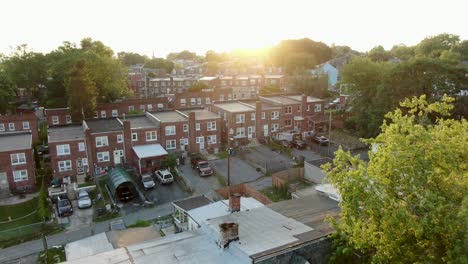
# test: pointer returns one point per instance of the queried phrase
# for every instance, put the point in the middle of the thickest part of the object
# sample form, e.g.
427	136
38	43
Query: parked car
321	140
204	168
147	181
299	144
83	200
64	206
164	176
124	193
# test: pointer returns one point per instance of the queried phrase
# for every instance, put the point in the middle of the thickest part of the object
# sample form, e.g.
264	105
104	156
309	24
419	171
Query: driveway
262	156
241	171
200	185
79	219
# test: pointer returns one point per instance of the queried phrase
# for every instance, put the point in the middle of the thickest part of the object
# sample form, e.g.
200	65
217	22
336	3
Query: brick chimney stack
235	202
192	133
228	232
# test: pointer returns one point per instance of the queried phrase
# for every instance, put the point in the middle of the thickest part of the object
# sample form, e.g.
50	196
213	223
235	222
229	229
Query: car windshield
167	176
147	178
63	203
204	165
84	196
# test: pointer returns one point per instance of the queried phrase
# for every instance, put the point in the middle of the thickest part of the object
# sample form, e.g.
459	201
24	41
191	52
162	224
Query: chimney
228	232
235	202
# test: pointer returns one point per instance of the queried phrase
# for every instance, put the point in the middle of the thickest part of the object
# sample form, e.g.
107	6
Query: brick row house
20	123
17	167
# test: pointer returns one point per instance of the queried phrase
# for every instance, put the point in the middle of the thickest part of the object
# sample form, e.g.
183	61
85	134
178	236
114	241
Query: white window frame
211	126
240	132
26	125
274	127
81	146
18	158
84	161
63	149
288	109
103	114
115	113
308	107
169	144
170	130
199	140
274	115
197	126
11	126
199	101
103	156
134	136
183	102
160	106
102	141
193	101
119	138
65	165
252	116
149	107
207	100
68	119
211	139
184	141
151	135
185	127
263	115
240	118
286	122
23	175
318	108
55	120
2	127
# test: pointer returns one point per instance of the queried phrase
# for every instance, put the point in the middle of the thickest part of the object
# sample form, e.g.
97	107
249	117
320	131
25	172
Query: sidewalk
36	246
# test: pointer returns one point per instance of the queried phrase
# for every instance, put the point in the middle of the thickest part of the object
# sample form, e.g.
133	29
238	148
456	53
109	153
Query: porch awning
148	151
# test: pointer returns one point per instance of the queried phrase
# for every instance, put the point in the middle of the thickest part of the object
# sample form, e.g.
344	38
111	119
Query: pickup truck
202	166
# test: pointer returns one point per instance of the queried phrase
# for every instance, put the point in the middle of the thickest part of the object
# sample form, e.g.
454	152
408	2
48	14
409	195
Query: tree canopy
160	63
131	58
82	92
183	55
409	203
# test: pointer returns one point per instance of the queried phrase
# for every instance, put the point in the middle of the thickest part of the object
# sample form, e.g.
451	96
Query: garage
121	185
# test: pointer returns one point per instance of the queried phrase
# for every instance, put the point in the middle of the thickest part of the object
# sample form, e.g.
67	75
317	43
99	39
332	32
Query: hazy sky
222	25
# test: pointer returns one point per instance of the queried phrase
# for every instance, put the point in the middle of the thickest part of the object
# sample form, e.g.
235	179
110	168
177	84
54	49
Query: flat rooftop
140	122
15	141
235	107
170	116
310	99
202	114
282	100
104	125
192	203
265	105
57	134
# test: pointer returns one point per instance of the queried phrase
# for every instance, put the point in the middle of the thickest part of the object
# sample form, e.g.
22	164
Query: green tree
183	55
434	46
379	54
131	58
311	85
198	87
409	203
159	63
270	89
82	92
402	52
7	92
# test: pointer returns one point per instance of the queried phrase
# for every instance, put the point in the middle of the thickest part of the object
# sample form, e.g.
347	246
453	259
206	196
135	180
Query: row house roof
15	141
66	133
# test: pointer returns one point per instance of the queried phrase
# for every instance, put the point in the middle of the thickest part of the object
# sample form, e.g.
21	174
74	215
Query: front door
265	130
4	186
118	154
79	166
250	132
201	142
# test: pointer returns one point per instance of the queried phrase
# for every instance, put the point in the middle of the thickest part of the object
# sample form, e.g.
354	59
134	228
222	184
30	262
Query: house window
96	114
240	132
308	108
192	101
55	120
288	110
318	108
274	127
11	126
68	119
119	138
115	113
274	115
211	139
221	97
151	136
263	115
171	144
63	149
20	175
103	156
185	127
197	126
287	122
198	101
183	102
65	165
18	158
160	106
252	116
199	140
81	146
184	141
211	126
149	107
25	125
84	161
102	141
170	130
142	108
134	137
103	114
208	100
2	127
240	118
131	108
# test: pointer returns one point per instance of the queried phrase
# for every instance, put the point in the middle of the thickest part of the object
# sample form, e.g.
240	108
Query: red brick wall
61	113
74	155
18	121
93	150
5	166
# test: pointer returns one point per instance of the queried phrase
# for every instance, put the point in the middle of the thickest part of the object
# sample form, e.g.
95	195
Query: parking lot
79	219
262	156
240	170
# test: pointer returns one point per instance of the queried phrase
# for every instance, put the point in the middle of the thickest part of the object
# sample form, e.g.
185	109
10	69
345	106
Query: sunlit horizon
158	28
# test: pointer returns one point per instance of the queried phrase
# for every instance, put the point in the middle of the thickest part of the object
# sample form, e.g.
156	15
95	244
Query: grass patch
19	237
16	211
221	155
54	255
276	194
85	184
140	223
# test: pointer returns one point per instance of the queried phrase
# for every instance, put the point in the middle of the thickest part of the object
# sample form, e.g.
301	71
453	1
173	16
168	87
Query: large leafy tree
409	203
82	92
7	92
131	58
160	63
379	54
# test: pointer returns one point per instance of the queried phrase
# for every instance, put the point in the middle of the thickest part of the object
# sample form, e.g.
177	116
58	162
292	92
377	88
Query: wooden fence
244	190
281	178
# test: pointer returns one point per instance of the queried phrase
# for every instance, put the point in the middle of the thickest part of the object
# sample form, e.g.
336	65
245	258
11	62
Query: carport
119	179
149	154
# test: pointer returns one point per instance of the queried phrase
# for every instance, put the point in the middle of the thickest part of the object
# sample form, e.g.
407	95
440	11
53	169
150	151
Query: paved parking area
200	185
264	157
241	171
79	219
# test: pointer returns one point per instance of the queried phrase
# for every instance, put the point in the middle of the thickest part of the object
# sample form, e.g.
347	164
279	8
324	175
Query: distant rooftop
265	105
274	76
57	134
15	141
207	78
234	107
169	116
140	122
281	99
310	99
104	125
202	114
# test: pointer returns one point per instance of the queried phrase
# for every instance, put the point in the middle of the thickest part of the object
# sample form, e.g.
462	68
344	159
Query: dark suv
64	206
